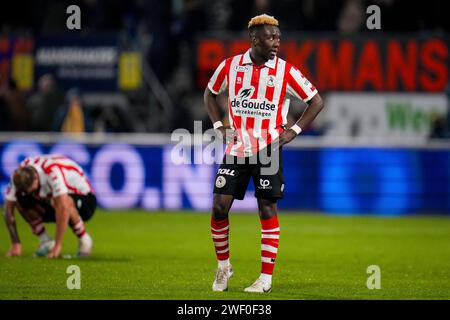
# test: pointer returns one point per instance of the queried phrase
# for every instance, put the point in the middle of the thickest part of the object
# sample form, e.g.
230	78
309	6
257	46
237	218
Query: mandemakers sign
89	63
391	115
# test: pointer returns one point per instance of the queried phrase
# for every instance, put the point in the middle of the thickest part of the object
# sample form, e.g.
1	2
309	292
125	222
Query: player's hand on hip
15	250
285	137
55	252
228	134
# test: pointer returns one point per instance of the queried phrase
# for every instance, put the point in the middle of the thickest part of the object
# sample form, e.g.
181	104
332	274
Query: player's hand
285	137
228	134
15	250
55	252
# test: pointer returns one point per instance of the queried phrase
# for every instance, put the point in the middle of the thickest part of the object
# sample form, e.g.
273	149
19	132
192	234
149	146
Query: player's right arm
212	107
216	85
16	247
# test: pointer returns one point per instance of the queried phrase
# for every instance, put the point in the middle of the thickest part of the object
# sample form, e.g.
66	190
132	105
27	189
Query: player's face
269	38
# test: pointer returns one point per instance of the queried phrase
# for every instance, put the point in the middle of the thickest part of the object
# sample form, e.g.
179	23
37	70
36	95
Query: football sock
219	234
38	228
270	234
224	263
79	229
267	278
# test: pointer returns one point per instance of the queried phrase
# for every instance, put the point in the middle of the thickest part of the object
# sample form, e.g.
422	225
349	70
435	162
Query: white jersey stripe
276	98
261	96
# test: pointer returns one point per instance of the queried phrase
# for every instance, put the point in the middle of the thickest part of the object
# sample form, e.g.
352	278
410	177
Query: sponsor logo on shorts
220	181
264	184
227	172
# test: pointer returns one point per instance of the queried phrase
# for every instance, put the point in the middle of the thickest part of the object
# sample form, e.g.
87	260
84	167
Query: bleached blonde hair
261	20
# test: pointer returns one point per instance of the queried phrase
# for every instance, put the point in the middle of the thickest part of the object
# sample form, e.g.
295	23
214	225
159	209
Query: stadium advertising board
380	63
379	180
387	115
82	62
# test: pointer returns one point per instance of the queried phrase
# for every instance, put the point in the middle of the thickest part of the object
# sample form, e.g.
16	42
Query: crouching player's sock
270	234
85	241
45	241
219	233
78	229
38	228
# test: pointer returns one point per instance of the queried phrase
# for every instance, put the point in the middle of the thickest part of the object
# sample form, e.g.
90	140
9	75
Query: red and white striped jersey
258	98
57	175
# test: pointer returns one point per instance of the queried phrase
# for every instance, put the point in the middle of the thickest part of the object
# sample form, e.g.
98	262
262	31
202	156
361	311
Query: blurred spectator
13	107
352	17
5	122
440	124
44	104
439	128
70	117
157	18
111	119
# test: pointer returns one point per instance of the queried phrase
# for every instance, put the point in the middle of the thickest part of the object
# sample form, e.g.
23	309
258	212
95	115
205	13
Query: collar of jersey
247	60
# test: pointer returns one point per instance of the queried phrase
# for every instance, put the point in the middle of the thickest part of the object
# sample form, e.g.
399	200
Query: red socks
270	234
219	233
37	226
79	229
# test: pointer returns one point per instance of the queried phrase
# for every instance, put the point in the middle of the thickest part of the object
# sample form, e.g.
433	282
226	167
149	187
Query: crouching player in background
50	189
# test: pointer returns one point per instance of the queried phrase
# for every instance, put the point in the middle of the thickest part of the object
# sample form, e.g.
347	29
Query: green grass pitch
169	255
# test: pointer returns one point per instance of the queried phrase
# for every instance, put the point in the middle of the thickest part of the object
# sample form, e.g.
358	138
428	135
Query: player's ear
254	37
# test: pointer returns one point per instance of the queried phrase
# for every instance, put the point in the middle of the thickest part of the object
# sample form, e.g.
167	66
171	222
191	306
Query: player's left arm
313	108
301	88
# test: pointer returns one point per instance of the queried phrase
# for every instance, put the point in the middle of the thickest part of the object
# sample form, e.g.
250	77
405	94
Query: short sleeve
10	193
299	86
57	181
218	81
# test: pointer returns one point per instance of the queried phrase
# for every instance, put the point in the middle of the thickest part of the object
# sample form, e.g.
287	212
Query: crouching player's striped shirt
258	99
57	175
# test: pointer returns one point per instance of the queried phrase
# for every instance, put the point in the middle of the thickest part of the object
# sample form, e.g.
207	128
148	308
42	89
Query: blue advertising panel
383	181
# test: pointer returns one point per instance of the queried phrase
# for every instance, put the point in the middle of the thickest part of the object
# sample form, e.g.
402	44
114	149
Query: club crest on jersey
241	68
246	92
271	81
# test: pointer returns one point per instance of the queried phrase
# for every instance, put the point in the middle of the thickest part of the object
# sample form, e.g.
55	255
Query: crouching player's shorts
85	204
234	174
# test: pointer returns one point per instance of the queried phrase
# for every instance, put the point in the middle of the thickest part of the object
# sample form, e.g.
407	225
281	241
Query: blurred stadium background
110	94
